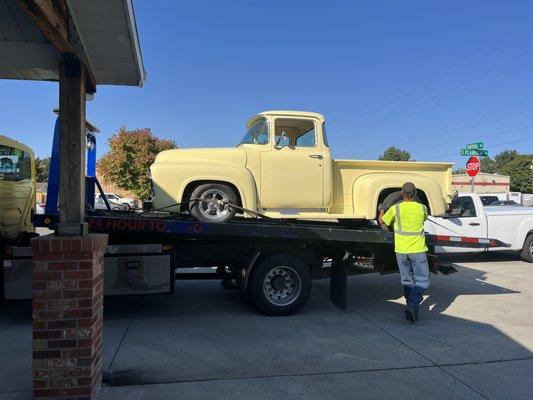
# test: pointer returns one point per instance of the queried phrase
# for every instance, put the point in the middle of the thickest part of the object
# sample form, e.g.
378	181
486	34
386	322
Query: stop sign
473	166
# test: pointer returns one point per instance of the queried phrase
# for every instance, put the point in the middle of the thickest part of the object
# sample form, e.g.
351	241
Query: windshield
257	133
15	164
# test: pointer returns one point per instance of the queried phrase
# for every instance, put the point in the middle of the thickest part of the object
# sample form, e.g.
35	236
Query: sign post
472	169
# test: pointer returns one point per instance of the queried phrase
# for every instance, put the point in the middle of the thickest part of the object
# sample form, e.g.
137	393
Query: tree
129	158
487	165
495	166
42	168
394	154
504	158
519	169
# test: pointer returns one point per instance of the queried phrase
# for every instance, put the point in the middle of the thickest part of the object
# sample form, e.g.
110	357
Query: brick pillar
67	315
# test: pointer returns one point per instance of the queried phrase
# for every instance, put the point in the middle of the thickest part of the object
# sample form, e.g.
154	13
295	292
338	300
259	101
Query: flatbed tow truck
272	261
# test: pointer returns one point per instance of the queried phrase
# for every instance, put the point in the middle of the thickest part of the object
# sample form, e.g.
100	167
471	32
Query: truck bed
346	172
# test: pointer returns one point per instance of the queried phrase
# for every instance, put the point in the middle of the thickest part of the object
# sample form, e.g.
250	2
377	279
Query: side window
464	207
15	164
295	133
307	139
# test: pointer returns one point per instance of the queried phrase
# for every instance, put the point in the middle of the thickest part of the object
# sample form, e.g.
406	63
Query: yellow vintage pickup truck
283	169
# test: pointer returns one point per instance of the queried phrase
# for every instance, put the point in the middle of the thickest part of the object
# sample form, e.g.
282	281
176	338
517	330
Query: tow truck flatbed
245	251
157	226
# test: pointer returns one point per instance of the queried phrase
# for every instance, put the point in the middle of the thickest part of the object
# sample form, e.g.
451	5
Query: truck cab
284	147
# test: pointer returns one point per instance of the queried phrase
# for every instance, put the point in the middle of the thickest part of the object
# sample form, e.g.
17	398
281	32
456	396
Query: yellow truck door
292	172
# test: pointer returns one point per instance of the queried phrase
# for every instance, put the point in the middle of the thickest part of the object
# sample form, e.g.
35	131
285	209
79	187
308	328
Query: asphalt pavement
474	341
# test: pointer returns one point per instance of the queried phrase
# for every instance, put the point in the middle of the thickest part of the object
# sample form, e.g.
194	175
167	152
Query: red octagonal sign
473	166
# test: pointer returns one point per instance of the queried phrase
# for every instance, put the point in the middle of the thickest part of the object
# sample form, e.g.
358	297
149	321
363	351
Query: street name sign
474	146
474	152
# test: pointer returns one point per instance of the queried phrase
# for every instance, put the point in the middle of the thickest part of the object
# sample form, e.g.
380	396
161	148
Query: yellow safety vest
409	218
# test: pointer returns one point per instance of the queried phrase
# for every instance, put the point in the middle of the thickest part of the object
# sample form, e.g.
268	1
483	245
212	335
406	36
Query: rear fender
367	188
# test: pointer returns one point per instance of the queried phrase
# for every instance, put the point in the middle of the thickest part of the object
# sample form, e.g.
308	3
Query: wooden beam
72	147
52	18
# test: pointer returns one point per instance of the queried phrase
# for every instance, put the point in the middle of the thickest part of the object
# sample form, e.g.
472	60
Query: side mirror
281	142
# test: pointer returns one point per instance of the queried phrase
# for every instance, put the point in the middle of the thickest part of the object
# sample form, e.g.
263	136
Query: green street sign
474	152
474	146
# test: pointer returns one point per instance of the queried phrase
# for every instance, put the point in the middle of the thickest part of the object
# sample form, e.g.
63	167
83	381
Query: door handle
317	156
474	224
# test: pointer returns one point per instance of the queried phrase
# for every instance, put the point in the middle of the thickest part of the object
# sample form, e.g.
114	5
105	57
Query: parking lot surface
473	341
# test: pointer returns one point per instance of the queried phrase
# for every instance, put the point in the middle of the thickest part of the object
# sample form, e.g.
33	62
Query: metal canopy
107	30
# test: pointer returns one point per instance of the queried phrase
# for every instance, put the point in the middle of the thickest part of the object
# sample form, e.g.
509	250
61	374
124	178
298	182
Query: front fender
367	188
170	180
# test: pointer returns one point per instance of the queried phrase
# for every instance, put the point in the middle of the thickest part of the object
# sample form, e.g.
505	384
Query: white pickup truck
468	217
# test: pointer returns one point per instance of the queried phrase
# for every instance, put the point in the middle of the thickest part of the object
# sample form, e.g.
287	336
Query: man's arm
386	218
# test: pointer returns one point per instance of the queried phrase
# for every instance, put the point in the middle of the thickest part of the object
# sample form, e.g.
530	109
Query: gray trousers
414	269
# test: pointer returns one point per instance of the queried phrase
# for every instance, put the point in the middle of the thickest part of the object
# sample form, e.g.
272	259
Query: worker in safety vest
410	247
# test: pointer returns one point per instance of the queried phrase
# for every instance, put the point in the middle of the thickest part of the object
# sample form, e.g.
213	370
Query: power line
371	128
495	145
476	137
467	124
417	88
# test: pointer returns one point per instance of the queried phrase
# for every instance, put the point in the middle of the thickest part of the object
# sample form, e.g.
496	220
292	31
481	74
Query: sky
427	77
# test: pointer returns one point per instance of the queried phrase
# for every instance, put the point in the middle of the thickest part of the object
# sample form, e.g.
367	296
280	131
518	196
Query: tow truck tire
280	284
203	212
527	250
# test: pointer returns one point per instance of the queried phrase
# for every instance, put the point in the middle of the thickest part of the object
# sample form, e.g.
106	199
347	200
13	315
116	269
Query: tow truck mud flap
436	266
338	284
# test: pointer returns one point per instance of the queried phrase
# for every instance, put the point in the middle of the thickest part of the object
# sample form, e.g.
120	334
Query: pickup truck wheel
215	206
527	250
280	285
126	206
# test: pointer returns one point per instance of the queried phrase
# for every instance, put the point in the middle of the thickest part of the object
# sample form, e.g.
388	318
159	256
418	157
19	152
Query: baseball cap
409	189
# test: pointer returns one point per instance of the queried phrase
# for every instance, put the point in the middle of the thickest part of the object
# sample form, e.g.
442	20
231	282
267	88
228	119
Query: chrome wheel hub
214	204
282	285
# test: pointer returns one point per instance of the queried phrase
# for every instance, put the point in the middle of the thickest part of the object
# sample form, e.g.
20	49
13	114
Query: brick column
67	315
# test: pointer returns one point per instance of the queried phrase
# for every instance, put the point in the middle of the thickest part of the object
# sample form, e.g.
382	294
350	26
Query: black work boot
410	315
